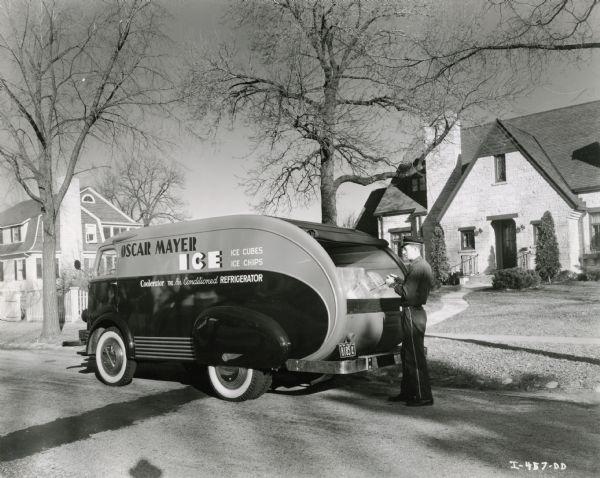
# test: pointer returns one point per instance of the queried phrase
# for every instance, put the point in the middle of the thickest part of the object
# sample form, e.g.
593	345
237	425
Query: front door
506	243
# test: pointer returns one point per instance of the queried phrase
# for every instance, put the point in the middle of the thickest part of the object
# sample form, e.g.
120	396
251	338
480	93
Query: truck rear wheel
112	365
237	384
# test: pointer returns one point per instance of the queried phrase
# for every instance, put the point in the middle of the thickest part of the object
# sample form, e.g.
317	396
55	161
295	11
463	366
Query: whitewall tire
237	384
112	365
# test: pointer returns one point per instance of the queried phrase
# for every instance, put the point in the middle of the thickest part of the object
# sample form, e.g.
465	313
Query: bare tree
329	93
68	76
146	188
524	32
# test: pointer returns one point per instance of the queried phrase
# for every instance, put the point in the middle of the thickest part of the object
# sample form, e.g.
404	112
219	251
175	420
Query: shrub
589	276
515	278
546	255
452	279
438	257
566	275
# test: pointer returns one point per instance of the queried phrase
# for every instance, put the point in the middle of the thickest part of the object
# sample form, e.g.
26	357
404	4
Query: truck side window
107	263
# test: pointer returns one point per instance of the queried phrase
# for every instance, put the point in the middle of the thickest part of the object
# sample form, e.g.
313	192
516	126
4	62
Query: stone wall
524	193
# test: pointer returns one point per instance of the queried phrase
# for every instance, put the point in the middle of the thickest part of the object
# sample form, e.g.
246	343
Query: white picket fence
28	305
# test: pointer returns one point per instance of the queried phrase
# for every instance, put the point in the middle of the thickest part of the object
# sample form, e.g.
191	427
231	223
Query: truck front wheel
237	384
112	365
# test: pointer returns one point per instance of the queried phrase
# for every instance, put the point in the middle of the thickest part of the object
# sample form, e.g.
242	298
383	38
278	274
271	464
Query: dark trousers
415	378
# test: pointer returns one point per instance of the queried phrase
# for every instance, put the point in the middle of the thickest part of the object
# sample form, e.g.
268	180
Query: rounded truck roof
321	232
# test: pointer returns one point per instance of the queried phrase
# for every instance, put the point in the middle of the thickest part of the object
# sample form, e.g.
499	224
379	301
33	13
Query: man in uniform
415	389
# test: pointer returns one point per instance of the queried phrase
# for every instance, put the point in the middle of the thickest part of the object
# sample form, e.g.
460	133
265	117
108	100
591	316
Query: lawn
568	310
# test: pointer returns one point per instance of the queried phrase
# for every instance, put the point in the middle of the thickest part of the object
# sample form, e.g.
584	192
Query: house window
90	234
536	232
397	239
1	236
467	239
20	271
88	198
418	184
15	234
40	271
1	271
500	166
595	231
110	231
88	263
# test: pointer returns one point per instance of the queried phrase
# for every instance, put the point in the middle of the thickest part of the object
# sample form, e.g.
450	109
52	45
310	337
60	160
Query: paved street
57	421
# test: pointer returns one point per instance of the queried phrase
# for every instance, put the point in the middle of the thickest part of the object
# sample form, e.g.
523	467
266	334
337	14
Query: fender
239	337
104	322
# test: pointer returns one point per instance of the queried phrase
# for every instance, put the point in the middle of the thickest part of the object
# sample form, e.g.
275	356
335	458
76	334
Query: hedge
515	278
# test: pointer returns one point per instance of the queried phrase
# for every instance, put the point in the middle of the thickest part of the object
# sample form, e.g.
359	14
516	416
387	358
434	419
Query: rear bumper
343	367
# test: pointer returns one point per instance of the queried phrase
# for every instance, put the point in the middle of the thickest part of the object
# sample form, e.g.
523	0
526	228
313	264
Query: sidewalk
22	334
504	339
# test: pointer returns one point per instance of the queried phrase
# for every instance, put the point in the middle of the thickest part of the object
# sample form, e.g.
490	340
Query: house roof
367	222
562	144
105	210
530	146
567	138
396	201
30	210
18	214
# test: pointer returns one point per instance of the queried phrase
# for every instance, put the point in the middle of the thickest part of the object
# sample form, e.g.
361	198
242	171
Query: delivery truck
245	297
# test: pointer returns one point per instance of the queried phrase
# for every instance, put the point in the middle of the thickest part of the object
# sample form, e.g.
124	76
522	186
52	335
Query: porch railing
524	260
468	265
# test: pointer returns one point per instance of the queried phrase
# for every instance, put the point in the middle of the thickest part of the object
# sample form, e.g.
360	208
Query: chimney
441	162
70	234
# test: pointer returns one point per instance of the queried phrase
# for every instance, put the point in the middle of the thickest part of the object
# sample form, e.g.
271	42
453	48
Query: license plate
347	349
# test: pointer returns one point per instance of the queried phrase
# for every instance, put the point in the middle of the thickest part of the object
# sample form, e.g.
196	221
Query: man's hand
391	280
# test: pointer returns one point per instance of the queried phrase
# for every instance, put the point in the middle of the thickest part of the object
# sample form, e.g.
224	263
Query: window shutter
24	269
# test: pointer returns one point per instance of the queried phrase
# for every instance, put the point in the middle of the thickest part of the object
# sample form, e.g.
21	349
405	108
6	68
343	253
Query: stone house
488	186
85	220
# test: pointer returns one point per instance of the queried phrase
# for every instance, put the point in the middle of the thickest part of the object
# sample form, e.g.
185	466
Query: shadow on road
145	469
485	427
31	440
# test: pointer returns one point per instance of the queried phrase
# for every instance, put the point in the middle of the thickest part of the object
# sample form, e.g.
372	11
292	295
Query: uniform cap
412	240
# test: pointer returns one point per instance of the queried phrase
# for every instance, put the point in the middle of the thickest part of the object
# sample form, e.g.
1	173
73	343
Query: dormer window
500	167
15	234
88	198
418	184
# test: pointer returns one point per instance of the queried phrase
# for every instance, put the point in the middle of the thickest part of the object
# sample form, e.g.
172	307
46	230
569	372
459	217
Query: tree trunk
51	327
328	192
328	189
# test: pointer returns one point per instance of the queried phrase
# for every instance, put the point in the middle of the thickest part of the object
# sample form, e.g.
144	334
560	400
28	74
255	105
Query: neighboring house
488	187
85	220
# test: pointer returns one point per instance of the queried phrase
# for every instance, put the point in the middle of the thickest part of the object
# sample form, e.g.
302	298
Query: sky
215	169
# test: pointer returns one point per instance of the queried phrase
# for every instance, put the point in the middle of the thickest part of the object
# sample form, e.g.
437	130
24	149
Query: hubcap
231	377
112	357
